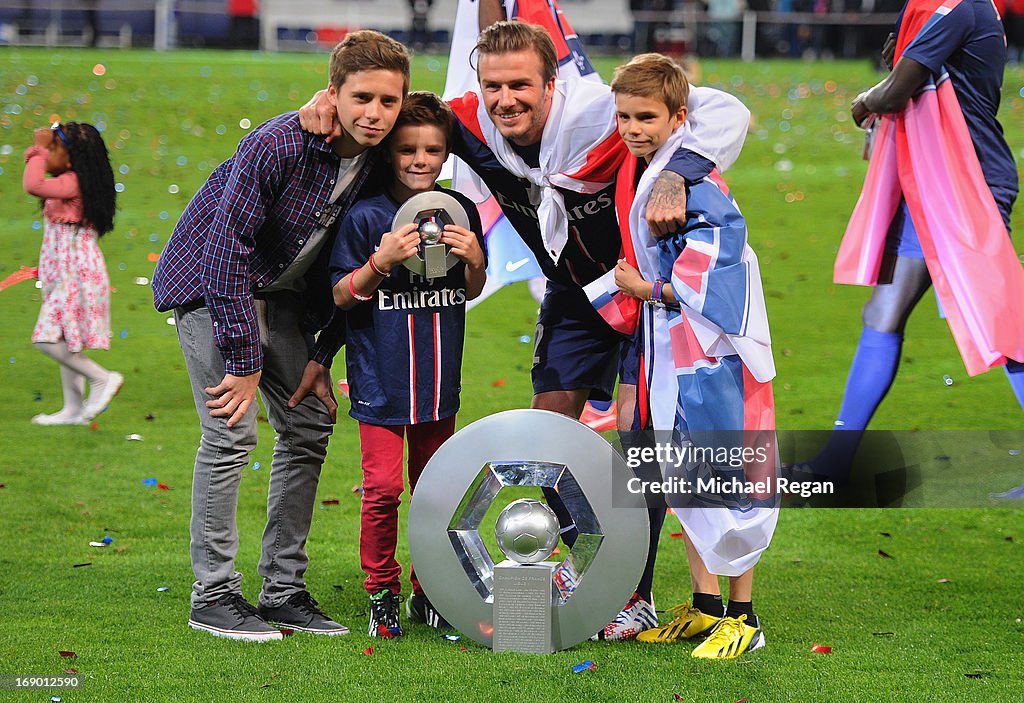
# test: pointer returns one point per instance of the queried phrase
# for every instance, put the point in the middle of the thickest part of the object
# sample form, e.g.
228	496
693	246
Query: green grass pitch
940	620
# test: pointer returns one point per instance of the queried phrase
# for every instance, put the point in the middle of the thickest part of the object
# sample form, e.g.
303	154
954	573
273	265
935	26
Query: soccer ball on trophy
527	531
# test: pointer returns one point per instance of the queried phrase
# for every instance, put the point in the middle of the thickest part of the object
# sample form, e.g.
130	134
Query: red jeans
382	449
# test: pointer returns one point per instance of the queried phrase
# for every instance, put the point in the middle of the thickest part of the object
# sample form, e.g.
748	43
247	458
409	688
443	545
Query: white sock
76	361
73	384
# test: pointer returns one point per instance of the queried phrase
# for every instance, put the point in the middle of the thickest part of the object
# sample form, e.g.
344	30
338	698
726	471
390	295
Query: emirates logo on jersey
420	299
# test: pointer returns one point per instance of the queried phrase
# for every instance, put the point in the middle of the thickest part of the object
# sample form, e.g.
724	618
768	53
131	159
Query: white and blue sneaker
636	617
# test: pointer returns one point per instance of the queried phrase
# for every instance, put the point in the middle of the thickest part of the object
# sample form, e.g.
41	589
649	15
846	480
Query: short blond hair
507	37
367	50
653	76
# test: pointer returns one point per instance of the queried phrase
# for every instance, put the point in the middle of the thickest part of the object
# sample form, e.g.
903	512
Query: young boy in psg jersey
404	344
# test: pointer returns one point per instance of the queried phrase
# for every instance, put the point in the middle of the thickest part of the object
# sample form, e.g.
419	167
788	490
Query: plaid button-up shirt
244	228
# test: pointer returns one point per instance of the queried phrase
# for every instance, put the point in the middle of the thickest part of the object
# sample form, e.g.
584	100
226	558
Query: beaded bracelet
352	289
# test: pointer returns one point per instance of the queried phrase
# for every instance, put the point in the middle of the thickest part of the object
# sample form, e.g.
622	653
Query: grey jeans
302	435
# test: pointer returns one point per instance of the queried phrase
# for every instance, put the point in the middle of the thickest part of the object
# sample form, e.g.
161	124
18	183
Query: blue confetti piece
164	215
36	225
583	666
149	481
107	540
11	360
525	339
452	638
256	466
124	334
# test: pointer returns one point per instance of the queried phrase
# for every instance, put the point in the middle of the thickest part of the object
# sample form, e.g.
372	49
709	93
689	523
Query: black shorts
574	348
629	367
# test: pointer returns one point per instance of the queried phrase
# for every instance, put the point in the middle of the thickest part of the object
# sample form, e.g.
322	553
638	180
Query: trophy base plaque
522	607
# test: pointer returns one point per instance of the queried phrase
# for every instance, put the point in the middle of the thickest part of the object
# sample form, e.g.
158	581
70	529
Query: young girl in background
78	208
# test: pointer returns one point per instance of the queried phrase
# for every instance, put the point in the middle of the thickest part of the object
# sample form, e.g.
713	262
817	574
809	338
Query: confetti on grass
584	666
821	649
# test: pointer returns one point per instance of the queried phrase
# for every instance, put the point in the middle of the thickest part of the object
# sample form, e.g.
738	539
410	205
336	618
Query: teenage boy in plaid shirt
245	273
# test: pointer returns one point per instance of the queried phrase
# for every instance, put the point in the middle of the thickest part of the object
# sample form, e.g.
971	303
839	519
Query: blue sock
1015	373
871	375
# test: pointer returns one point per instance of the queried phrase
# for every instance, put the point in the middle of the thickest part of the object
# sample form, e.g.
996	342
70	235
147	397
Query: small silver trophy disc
431	211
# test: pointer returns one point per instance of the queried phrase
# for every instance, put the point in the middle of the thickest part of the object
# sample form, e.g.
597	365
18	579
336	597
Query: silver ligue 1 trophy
431	211
525	603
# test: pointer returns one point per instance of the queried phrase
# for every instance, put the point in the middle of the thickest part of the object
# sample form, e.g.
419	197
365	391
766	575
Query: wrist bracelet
375	269
656	293
352	289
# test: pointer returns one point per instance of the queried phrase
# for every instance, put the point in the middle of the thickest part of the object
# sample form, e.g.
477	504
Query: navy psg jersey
404	346
968	41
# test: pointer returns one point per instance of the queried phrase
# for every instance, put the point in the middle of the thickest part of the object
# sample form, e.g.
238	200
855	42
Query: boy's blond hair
507	37
653	76
367	50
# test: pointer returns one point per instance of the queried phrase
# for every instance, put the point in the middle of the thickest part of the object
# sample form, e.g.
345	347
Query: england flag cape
925	154
707	367
715	128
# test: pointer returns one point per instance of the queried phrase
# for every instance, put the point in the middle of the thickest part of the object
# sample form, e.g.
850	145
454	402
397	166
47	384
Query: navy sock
656	516
655	509
1015	374
709	604
871	375
739	607
567	527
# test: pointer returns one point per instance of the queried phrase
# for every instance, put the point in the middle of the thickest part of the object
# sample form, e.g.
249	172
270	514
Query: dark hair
424	107
91	163
507	37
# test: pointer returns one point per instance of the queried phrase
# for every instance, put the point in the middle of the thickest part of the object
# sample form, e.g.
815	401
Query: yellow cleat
730	638
689	622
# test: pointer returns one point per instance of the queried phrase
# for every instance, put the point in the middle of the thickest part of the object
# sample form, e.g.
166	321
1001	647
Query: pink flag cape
925	154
